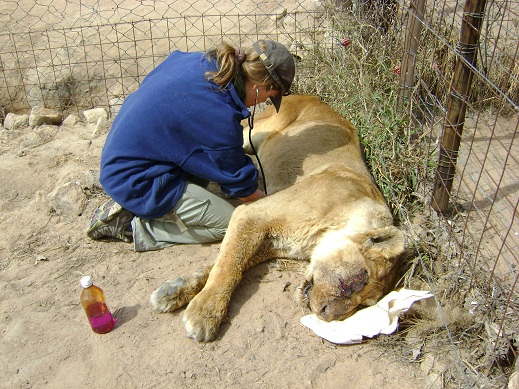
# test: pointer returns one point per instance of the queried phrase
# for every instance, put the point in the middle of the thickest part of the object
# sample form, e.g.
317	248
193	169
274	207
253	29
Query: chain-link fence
94	55
72	55
464	96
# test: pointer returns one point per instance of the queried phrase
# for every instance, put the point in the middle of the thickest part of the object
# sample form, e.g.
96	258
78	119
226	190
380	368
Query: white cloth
381	318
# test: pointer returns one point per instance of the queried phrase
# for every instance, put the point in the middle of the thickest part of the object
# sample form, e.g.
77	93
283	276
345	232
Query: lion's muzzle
335	302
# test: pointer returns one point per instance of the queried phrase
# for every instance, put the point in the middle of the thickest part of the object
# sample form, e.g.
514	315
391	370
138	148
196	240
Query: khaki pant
199	217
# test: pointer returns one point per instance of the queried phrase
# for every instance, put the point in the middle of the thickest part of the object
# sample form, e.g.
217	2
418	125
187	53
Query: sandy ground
47	194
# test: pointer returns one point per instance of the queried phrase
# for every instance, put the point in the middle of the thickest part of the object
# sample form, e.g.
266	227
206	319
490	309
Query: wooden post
412	37
473	13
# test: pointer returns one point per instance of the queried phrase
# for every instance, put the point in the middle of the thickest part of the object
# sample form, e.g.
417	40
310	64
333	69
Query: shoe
111	220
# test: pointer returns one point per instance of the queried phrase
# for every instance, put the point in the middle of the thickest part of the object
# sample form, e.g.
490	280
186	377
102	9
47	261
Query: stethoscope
251	126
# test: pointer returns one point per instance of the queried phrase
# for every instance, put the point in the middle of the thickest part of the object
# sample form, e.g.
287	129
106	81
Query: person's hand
255	196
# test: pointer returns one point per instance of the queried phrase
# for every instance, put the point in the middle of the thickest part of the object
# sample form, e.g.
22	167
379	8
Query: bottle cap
86	281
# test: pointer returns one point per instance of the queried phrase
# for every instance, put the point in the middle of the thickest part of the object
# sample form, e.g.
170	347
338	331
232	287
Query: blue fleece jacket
176	123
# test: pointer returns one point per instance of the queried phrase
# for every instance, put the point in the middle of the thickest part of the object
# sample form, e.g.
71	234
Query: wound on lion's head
354	284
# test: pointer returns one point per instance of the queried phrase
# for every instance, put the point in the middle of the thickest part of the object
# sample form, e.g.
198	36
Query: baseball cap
280	64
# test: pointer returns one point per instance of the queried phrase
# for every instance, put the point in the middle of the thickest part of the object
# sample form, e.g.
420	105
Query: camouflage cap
280	65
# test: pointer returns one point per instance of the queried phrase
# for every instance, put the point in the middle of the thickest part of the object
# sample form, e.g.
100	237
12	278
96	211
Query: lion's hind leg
174	294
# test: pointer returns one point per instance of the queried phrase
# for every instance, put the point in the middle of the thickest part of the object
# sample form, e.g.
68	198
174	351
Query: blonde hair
252	68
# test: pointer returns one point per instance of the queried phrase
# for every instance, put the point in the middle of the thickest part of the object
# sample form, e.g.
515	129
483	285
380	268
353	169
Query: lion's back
314	139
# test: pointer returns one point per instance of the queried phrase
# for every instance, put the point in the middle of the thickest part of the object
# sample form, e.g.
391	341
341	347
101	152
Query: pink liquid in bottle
93	301
100	318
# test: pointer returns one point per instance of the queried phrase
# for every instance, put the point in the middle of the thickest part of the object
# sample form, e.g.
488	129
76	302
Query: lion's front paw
204	315
171	295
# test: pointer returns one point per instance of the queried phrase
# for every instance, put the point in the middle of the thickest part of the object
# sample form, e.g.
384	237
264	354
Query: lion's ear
387	242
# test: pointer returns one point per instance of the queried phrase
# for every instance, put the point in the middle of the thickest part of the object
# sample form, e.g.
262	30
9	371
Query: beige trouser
199	217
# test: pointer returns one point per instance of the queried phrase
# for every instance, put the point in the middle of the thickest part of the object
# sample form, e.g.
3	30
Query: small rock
71	120
13	121
40	258
68	199
41	115
100	127
92	116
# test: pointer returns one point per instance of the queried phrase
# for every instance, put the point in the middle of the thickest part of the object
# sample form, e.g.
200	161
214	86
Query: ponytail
229	60
232	61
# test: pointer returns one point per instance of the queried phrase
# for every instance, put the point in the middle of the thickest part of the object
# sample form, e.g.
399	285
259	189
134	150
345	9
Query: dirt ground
48	191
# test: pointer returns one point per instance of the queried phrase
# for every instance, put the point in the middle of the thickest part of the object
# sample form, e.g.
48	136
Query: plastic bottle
93	301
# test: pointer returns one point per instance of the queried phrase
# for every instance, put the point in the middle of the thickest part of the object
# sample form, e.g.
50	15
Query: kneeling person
179	131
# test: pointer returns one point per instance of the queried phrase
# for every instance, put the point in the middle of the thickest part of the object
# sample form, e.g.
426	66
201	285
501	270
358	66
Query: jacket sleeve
231	168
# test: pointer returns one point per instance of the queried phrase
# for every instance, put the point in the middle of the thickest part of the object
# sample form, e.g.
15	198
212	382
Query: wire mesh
480	227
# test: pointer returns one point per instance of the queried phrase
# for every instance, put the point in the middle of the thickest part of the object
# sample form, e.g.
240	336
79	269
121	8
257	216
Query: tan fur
323	206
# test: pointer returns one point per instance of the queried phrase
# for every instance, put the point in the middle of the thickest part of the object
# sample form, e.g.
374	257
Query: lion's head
348	272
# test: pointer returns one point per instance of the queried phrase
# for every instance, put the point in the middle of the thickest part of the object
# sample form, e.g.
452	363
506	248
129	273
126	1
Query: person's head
267	69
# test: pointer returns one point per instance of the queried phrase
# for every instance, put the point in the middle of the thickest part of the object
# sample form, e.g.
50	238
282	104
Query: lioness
323	207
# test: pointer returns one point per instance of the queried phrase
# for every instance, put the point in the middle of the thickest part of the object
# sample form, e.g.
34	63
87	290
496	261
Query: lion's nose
332	309
326	313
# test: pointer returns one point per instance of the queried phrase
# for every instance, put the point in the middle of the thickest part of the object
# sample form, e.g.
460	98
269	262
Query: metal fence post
467	49
412	37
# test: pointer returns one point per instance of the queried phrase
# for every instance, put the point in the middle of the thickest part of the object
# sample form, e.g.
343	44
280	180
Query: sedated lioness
323	207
